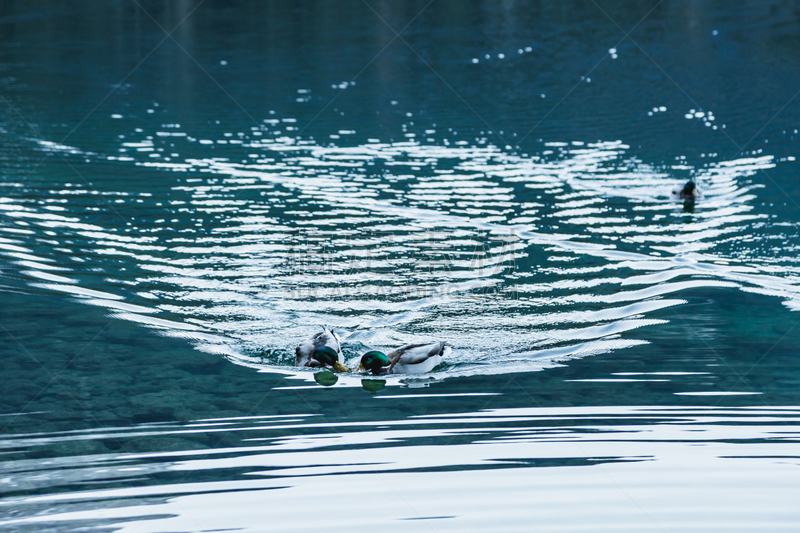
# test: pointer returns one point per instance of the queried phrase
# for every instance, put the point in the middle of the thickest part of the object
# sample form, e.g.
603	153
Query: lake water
190	189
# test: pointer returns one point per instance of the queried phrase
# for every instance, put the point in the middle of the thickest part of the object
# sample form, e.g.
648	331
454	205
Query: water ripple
248	253
417	467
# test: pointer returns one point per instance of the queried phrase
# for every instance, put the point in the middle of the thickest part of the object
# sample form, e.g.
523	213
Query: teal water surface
190	189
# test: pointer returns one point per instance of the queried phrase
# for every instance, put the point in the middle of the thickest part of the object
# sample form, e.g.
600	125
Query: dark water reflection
176	214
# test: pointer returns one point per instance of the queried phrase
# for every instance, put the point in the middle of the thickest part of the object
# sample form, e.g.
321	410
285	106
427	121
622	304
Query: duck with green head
408	359
322	350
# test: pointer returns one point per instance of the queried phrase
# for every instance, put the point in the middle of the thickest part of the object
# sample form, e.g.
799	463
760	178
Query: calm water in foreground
189	189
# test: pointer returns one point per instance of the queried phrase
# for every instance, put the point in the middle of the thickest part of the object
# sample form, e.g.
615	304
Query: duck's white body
325	337
417	358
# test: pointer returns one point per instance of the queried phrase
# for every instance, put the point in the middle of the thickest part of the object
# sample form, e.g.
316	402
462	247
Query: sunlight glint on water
386	242
178	213
525	462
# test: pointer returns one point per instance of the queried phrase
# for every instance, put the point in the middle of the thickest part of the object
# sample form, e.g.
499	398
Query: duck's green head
373	361
328	357
689	189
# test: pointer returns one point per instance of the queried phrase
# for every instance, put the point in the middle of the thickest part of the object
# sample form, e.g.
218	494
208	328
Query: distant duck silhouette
689	193
408	359
321	350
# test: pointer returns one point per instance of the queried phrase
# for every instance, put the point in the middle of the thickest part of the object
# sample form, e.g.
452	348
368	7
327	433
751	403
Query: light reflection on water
238	222
556	257
725	468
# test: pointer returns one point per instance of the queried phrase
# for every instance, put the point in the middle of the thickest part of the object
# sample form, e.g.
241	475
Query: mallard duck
321	350
408	359
689	192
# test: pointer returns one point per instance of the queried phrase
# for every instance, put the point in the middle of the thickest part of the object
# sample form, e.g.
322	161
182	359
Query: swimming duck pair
324	350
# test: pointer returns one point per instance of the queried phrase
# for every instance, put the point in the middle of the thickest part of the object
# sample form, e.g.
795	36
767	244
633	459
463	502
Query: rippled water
560	255
467	472
177	215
